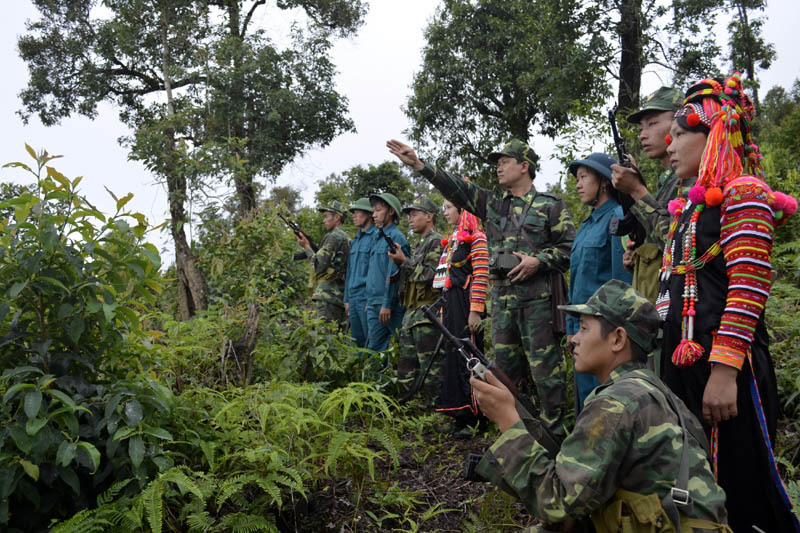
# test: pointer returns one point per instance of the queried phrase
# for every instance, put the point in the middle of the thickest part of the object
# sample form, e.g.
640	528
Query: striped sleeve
746	239
479	255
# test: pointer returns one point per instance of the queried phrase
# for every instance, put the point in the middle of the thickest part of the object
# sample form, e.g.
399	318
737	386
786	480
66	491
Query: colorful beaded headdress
468	224
722	110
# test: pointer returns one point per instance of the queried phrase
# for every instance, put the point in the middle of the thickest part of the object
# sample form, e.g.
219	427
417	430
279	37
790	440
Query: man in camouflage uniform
533	231
330	265
418	337
655	118
637	455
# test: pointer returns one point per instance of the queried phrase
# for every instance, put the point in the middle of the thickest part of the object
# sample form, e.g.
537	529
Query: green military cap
335	206
664	99
390	199
362	204
516	149
422	204
624	307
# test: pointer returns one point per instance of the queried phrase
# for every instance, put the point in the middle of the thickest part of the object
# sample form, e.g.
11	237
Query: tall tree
500	68
749	51
205	92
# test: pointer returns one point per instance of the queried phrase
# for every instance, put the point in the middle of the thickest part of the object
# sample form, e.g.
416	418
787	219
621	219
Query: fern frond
388	443
246	523
152	497
199	522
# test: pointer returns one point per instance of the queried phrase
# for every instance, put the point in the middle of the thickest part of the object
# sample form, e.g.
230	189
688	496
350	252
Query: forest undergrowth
118	417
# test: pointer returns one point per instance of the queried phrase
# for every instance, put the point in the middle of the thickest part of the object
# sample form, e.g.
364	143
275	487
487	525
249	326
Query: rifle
389	241
297	231
629	225
478	364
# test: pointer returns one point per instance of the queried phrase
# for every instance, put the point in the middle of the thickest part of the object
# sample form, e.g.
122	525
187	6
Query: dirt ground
426	493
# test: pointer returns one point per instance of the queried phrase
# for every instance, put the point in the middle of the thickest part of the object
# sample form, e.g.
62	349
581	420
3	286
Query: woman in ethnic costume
463	275
714	284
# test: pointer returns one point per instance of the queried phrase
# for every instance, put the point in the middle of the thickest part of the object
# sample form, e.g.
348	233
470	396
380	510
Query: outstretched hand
496	401
405	153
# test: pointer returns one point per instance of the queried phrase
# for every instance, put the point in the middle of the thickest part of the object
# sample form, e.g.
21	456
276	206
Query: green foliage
544	57
74	282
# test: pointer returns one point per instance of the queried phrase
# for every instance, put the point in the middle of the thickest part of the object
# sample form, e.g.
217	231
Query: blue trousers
378	334
358	321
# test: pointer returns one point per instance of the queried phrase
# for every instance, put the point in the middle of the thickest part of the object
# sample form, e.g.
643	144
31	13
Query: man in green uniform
530	236
655	118
637	458
418	336
330	265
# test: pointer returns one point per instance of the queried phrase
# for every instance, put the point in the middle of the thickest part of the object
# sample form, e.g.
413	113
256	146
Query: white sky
375	72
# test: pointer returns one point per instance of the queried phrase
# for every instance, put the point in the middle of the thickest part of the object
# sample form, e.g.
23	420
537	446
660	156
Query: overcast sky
375	72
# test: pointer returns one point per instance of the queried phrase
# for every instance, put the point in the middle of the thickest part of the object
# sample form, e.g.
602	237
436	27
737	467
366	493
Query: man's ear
619	339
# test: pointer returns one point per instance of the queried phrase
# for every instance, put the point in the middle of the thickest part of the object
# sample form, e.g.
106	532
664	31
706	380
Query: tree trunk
630	64
192	288
749	62
242	179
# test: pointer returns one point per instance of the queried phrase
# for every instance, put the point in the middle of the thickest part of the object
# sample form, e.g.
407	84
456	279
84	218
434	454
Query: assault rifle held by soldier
478	364
389	241
628	225
300	233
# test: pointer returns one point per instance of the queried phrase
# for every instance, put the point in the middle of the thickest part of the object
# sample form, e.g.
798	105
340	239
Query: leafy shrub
72	282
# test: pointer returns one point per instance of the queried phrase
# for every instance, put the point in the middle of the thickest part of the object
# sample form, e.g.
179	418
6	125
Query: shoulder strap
678	498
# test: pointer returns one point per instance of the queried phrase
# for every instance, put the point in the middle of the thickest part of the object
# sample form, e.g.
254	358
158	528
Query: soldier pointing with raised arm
530	235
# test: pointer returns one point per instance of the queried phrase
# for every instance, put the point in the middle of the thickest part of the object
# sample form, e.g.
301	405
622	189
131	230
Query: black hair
531	166
375	200
606	328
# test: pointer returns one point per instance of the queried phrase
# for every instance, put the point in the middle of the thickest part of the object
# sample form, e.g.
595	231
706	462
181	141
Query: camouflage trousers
418	339
527	350
331	312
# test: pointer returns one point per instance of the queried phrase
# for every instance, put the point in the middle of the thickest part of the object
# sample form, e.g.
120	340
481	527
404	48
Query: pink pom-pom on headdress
697	194
781	201
791	206
675	206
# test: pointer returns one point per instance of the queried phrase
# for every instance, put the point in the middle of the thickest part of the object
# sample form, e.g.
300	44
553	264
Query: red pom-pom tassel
448	284
444	242
693	119
687	353
668	139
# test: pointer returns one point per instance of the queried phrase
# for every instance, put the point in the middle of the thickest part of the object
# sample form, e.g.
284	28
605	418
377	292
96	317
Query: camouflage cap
624	307
390	199
335	206
422	204
362	204
664	99
516	149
